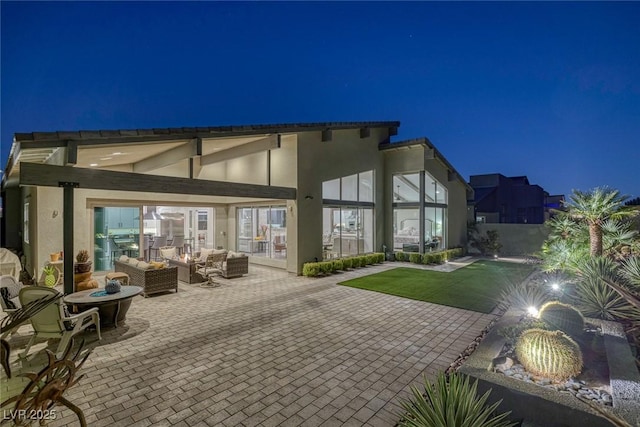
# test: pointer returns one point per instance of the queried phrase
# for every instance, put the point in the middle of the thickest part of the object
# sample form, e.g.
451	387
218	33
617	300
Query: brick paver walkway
270	349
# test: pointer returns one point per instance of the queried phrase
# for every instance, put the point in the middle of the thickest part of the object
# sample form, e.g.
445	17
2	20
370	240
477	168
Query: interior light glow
117	153
93	164
106	158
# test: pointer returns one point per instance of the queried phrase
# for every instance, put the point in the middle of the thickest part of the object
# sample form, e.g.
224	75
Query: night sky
547	90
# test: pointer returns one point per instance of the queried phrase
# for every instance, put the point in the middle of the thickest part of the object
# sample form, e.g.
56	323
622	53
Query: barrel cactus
563	317
113	286
551	354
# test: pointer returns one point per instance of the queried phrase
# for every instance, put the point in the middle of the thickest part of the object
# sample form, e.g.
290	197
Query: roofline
202	132
124	136
425	142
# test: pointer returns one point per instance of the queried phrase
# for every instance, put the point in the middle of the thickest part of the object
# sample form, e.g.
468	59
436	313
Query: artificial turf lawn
474	287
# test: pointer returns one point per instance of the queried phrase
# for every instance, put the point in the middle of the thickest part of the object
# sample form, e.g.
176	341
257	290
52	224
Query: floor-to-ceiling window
117	232
347	225
262	231
419	212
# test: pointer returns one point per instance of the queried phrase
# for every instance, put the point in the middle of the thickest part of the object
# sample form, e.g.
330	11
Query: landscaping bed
559	406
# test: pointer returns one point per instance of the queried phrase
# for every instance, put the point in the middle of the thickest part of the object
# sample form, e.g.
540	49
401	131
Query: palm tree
594	208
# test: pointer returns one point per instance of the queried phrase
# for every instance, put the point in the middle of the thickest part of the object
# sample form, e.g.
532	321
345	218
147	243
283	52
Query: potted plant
83	265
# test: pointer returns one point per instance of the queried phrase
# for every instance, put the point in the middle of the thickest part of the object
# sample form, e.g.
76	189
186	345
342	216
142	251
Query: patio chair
158	242
279	244
116	249
54	322
146	246
212	267
178	243
9	300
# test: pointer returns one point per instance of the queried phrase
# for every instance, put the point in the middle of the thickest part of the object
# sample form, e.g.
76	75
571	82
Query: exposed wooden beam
169	157
269	143
72	153
52	176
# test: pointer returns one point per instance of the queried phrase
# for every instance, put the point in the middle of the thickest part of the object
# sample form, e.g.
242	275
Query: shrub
325	267
311	269
415	258
563	317
371	259
347	263
381	257
363	260
400	256
338	264
451	402
595	299
551	354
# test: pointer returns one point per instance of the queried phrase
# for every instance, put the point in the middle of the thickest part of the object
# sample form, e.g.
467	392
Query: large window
347	225
262	231
347	231
409	226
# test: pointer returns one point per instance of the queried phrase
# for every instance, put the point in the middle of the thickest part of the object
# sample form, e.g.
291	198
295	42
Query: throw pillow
123	258
156	265
144	265
204	253
133	261
168	252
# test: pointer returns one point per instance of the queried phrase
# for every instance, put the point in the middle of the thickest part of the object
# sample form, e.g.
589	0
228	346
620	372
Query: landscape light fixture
532	311
555	286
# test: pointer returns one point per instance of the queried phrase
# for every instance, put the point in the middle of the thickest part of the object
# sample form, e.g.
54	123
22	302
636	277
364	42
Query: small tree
488	244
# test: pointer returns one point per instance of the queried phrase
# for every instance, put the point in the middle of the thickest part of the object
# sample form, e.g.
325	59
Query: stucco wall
12	232
320	161
518	239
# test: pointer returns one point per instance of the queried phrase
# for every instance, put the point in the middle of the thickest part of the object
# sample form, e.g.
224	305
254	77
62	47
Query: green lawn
474	287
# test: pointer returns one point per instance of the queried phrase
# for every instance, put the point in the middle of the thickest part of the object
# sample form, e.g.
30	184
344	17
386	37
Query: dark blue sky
547	90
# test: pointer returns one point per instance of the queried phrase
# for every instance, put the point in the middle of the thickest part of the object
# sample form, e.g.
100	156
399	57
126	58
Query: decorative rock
502	363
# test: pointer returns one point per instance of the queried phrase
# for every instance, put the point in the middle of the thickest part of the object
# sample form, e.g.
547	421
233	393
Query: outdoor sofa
232	264
150	279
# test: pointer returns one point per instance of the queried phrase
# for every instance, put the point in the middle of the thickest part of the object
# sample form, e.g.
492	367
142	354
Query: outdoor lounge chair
54	322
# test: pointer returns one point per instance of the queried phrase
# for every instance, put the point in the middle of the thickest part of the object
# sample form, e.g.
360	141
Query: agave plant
451	402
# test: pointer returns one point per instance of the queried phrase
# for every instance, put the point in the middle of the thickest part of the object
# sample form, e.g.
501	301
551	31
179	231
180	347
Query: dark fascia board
38	174
425	142
132	136
191	132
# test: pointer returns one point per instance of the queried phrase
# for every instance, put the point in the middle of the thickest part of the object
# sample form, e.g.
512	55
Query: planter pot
82	267
55	256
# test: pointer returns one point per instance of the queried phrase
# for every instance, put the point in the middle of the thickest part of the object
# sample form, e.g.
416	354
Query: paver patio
270	349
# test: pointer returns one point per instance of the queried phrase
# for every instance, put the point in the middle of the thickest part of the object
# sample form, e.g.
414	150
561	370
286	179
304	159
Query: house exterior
511	200
284	194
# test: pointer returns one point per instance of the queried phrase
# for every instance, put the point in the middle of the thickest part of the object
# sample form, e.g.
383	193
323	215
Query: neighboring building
501	199
284	194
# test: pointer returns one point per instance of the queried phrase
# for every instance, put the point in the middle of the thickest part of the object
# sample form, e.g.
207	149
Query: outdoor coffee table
112	307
